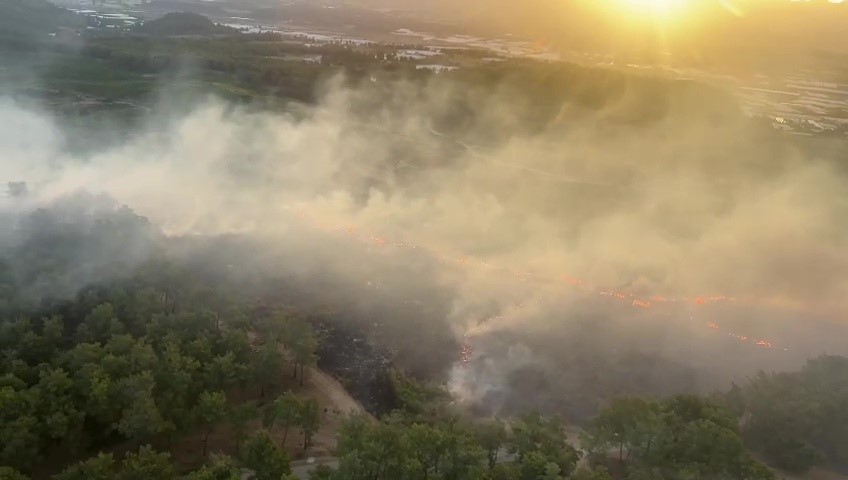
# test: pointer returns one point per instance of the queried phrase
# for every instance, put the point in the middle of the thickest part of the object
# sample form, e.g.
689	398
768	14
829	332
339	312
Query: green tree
20	441
428	446
9	473
535	465
708	449
533	433
504	471
238	417
101	467
222	372
309	419
304	345
57	411
378	452
492	437
464	457
99	325
220	468
627	424
397	448
276	329
83	354
264	457
176	378
211	408
682	437
798	419
597	473
36	348
266	366
285	411
147	464
141	417
92	383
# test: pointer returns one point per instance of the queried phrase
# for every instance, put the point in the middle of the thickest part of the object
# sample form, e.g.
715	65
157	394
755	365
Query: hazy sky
687	28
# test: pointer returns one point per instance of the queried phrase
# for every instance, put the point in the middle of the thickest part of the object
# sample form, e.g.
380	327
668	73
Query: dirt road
335	392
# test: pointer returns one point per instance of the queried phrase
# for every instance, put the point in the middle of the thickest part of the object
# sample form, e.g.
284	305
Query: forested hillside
151	351
35	17
184	23
141	351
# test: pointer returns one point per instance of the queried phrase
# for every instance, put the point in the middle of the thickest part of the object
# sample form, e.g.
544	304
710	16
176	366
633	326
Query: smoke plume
638	238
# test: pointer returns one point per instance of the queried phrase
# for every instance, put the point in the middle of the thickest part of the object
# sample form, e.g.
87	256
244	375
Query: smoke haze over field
506	233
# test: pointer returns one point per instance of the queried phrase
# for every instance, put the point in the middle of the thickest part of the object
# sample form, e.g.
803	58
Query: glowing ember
465	354
466	351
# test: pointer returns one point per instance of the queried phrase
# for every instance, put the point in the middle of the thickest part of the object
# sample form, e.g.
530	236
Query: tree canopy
797	419
160	351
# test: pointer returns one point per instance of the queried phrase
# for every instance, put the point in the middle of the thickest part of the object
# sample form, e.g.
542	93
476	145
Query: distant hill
184	23
24	20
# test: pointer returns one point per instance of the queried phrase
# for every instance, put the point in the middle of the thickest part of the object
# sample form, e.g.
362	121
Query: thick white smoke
533	230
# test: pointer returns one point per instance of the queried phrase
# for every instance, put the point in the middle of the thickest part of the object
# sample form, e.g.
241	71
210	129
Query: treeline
797	419
261	457
684	437
681	437
257	66
536	91
146	363
166	352
260	454
53	253
149	352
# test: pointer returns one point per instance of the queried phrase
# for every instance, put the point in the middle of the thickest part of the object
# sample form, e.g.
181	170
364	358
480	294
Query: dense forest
797	419
140	358
149	351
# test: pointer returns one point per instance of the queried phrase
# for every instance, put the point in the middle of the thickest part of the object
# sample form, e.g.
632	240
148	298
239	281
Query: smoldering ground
583	250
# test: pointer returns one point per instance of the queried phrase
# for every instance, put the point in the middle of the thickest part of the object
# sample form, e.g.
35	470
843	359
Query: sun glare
660	7
657	9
